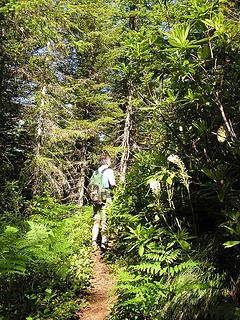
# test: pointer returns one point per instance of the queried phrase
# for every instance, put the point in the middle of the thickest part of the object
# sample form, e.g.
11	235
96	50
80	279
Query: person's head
105	160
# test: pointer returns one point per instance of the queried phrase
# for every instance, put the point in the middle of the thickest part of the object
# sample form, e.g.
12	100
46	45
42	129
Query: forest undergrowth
45	264
168	269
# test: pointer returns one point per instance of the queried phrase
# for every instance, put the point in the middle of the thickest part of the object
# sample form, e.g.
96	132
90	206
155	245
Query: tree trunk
81	178
126	136
39	138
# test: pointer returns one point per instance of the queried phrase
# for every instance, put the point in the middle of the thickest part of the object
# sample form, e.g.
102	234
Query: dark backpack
96	190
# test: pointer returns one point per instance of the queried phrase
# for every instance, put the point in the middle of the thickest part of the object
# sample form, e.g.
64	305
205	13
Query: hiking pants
100	222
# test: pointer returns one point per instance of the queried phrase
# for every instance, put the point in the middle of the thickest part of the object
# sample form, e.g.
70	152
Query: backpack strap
104	170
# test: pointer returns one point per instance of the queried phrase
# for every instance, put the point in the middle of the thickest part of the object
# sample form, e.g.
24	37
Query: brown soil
101	296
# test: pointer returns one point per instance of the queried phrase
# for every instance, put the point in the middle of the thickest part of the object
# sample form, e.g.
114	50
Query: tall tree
63	54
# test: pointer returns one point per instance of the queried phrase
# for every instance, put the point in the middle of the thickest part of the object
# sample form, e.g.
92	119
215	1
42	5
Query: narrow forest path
101	295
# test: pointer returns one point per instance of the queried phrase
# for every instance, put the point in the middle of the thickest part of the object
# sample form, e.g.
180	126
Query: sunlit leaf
230	244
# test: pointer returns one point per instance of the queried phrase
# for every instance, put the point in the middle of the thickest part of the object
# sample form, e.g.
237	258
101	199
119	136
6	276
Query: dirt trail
101	297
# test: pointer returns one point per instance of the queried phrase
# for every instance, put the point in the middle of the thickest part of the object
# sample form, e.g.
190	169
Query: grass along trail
101	295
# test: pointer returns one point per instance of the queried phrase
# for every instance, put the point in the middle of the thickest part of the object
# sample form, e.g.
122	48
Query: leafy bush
45	265
169	272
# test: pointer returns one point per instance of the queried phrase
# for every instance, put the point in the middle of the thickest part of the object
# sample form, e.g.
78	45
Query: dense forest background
156	85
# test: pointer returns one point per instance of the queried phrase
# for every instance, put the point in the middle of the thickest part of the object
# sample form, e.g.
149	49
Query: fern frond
149	268
185	265
38	232
11	260
154	256
171	256
164	256
194	290
13	265
127	277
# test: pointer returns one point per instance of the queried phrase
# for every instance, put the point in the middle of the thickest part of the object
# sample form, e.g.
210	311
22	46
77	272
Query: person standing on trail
100	185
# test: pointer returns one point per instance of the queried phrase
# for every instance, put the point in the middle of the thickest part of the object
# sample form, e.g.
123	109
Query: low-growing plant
45	266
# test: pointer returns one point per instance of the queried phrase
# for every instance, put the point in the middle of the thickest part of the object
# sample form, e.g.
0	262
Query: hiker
102	200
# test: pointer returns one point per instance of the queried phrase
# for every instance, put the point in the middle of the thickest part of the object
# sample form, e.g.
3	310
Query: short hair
105	159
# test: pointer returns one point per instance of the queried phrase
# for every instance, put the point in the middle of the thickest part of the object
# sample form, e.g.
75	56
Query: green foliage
232	227
187	291
69	71
11	260
12	202
45	265
195	292
157	248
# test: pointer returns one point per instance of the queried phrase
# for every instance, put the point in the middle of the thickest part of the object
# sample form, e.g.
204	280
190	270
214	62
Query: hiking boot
103	247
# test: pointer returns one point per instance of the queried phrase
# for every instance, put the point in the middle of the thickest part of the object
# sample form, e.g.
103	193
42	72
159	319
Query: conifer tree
62	55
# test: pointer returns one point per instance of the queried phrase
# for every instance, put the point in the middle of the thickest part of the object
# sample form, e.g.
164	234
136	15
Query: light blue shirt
108	176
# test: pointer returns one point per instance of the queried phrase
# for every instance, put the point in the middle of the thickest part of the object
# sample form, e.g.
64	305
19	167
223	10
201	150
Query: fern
37	233
158	263
168	256
155	268
150	268
11	260
44	265
189	264
194	291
